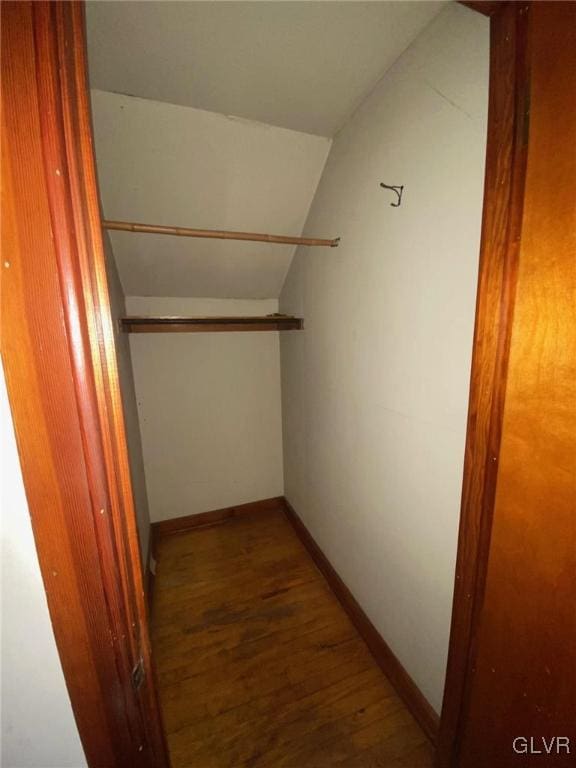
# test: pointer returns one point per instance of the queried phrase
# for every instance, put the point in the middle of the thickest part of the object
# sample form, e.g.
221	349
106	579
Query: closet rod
217	234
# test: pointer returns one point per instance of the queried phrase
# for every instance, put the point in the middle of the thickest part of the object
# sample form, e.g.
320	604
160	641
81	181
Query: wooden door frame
62	380
506	155
63	387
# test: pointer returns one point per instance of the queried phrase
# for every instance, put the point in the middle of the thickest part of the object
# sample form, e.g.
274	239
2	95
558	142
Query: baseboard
214	517
387	661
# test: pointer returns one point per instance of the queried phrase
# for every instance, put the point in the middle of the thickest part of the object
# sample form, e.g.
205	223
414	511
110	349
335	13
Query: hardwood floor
258	664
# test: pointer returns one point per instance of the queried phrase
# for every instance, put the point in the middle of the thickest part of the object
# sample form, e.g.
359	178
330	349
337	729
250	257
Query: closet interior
295	403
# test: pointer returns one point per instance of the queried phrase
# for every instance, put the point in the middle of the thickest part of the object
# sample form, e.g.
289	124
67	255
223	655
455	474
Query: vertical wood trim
524	679
485	7
503	200
60	365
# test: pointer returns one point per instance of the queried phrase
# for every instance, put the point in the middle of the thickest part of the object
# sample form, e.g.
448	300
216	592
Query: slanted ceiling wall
375	389
160	163
304	66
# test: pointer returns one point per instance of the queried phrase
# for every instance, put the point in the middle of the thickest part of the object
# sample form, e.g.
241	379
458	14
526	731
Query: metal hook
398	190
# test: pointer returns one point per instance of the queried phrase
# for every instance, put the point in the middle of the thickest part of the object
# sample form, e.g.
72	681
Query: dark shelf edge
209	324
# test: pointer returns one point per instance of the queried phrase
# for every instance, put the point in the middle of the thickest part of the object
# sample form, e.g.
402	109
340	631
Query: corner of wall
128	393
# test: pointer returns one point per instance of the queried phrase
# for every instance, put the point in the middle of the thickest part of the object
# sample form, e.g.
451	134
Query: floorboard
259	666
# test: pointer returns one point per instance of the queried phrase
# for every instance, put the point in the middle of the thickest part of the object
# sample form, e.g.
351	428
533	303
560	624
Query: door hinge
138	674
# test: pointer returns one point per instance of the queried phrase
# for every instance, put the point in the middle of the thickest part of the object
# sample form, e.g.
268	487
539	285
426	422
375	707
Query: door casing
63	386
60	365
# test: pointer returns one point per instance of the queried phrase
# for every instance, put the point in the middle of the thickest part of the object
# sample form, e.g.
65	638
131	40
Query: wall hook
397	190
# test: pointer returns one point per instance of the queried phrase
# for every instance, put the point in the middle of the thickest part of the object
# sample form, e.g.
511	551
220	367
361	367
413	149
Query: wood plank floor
258	664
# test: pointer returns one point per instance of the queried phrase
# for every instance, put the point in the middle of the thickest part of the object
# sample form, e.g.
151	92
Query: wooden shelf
209	324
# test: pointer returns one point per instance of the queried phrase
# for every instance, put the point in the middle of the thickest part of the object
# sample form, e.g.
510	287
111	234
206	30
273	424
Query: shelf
209	324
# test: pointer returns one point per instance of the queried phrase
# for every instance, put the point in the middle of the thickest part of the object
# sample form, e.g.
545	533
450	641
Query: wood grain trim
214	517
385	658
149	575
502	213
485	7
527	631
209	324
58	354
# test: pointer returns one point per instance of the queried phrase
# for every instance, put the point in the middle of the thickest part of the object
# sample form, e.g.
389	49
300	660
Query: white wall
375	390
160	163
209	407
38	727
131	421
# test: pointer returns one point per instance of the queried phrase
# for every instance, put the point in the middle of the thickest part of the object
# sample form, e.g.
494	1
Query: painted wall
284	63
126	376
38	727
209	407
375	390
161	163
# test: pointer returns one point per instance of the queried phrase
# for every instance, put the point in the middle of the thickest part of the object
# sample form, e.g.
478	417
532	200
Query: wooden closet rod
217	234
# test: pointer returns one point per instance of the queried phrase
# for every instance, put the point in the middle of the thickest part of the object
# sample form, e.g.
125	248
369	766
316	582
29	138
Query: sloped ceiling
291	73
161	163
300	65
